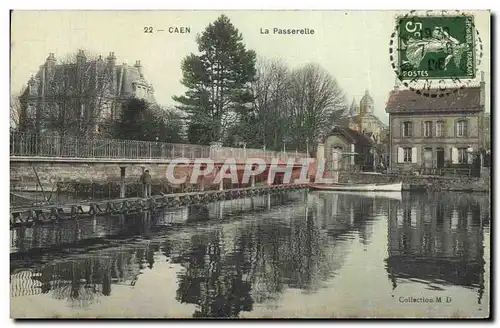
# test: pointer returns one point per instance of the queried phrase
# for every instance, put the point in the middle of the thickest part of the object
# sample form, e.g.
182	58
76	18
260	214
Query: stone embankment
427	183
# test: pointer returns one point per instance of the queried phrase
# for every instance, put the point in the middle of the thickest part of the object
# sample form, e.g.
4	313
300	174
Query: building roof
353	136
125	76
357	118
408	101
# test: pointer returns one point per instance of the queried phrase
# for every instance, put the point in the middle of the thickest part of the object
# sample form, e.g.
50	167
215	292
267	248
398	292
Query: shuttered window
462	156
407	155
454	155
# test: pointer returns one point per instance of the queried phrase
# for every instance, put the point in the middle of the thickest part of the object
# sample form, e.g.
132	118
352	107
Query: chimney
111	63
397	83
138	66
111	60
50	63
32	86
51	57
80	57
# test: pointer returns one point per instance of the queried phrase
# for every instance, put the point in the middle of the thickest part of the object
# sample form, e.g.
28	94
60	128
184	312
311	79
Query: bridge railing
45	145
229	152
30	144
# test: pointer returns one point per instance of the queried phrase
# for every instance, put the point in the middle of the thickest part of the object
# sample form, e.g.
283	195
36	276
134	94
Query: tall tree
141	120
170	124
132	124
293	107
270	91
315	101
15	112
217	81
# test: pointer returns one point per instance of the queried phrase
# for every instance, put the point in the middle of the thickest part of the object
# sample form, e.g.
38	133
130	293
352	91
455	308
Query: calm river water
302	254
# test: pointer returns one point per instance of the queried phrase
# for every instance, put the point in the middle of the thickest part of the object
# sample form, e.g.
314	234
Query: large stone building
362	118
434	133
80	89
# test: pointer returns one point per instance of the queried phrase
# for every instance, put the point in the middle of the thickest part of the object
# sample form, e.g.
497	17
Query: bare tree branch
78	91
294	107
15	111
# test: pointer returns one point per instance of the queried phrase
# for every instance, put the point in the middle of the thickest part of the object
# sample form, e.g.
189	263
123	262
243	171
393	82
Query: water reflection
438	239
239	254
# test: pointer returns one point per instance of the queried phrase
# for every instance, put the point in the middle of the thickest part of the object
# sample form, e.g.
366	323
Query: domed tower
366	104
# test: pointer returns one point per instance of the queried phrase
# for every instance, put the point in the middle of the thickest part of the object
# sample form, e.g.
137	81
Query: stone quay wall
428	183
22	174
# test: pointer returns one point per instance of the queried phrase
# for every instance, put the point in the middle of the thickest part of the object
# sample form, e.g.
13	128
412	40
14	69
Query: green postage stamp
436	47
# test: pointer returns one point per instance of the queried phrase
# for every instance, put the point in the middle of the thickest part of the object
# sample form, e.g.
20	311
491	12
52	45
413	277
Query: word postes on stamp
436	47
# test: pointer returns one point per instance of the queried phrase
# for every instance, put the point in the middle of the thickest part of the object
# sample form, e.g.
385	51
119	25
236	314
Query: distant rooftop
354	136
401	101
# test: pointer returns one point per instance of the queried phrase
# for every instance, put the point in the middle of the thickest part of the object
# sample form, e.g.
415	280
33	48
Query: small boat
396	187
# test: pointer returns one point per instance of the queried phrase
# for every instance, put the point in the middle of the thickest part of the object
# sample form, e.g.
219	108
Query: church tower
366	104
354	109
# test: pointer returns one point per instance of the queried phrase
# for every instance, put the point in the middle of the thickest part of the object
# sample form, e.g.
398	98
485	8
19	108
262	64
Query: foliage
217	81
292	108
77	91
16	112
141	120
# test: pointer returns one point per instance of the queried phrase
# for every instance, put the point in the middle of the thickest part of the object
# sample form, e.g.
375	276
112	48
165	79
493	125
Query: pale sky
352	45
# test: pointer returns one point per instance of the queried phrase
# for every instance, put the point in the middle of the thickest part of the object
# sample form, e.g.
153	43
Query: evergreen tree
217	81
172	130
141	120
132	122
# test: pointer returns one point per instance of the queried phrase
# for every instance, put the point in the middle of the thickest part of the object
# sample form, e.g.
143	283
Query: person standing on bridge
146	183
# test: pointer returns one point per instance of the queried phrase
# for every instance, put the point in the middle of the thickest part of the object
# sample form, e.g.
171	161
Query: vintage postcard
250	164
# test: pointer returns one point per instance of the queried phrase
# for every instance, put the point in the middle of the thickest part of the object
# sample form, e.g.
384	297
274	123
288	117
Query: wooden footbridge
27	216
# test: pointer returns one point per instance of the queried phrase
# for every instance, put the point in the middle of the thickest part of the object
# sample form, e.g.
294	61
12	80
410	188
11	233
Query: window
427	129
407	129
462	156
31	112
407	155
461	128
427	155
440	129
